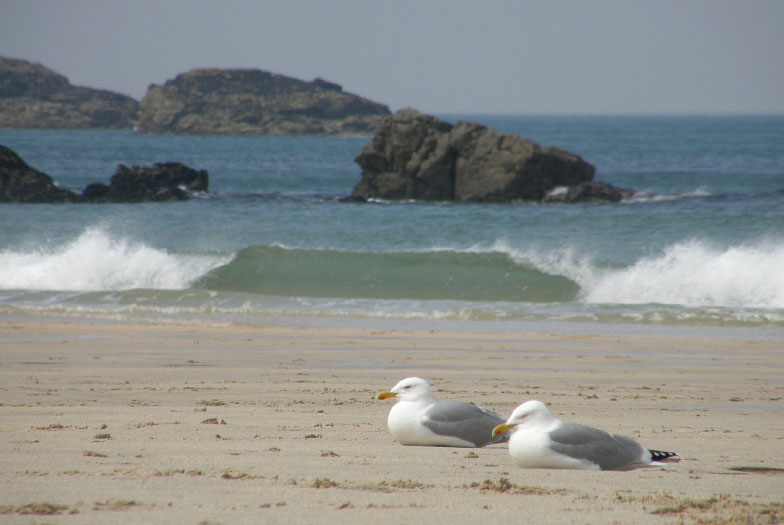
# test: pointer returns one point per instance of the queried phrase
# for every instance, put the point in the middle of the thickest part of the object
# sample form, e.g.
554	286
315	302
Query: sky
440	57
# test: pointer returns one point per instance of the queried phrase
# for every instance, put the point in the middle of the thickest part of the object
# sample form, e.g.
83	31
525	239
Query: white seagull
419	419
539	440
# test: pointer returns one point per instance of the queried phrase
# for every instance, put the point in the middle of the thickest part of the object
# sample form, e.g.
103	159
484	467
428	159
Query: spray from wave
94	261
695	274
691	274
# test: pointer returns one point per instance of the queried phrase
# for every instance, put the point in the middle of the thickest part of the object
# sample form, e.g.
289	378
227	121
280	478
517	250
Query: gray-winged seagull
539	440
419	419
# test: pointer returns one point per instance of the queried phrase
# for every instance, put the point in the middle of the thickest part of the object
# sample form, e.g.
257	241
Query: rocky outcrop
170	181
416	156
200	102
21	183
33	96
254	102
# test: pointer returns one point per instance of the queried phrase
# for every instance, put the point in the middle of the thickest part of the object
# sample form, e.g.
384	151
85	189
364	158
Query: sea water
700	245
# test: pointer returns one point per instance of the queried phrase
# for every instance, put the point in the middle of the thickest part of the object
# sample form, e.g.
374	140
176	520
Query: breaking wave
686	274
96	262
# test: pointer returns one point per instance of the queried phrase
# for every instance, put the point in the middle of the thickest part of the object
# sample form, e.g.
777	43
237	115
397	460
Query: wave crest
96	262
695	274
689	274
428	275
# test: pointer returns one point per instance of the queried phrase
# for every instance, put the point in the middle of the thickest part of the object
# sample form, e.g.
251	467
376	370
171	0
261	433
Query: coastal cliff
255	102
34	96
199	102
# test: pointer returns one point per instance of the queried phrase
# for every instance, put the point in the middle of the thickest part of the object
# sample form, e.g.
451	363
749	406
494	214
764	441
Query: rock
416	156
33	96
202	101
169	181
254	102
21	183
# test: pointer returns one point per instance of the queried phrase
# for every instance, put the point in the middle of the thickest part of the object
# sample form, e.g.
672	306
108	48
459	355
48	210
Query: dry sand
180	424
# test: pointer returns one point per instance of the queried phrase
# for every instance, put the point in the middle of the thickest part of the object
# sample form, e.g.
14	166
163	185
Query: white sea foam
696	274
644	196
95	261
689	273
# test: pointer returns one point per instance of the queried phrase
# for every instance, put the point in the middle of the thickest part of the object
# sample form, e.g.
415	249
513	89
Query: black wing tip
658	455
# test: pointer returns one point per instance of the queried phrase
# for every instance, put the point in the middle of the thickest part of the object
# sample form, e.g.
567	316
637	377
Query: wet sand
188	424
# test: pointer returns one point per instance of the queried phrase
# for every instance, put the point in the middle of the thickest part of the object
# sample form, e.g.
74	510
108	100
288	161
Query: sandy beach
116	423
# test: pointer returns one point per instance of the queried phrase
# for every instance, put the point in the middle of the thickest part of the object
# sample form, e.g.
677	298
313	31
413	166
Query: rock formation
170	181
21	183
254	102
416	156
33	96
202	101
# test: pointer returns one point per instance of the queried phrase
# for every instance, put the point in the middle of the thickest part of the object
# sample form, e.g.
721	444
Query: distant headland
34	96
199	102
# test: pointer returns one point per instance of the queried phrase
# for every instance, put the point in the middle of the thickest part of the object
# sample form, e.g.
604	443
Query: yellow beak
385	395
503	427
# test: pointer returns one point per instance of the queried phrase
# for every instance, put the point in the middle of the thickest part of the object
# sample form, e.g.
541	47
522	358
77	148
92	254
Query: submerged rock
254	102
417	156
33	96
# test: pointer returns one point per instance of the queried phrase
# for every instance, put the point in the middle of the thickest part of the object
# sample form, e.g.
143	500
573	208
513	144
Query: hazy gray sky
456	56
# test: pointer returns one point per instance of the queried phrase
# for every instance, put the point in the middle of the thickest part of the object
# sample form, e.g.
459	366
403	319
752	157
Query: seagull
417	418
540	440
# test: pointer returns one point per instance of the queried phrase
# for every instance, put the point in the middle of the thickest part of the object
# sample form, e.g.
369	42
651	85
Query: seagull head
529	413
409	389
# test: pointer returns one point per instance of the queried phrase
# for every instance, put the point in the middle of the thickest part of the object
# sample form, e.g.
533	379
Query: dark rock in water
254	102
95	193
33	96
593	191
21	183
169	181
416	156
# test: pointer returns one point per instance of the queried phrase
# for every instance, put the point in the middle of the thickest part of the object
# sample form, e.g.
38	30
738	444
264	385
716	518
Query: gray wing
606	450
465	421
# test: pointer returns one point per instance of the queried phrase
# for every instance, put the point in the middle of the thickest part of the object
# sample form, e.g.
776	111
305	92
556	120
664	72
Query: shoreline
114	421
505	326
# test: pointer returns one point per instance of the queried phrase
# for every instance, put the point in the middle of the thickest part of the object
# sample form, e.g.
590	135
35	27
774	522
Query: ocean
699	248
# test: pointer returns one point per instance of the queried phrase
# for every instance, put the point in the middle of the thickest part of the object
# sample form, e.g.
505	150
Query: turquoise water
700	245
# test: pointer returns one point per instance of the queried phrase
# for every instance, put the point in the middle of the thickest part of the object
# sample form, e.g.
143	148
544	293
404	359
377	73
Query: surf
96	261
697	273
